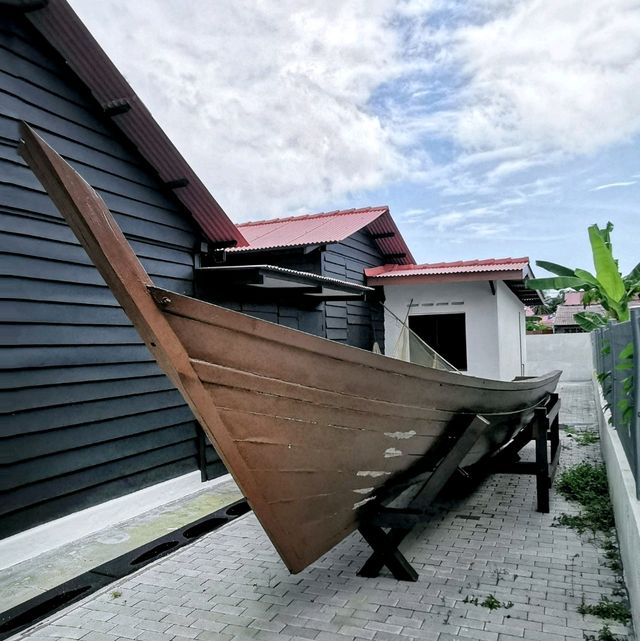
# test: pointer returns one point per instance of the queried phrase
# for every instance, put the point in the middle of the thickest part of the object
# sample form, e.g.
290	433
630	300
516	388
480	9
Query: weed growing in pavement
582	437
607	609
490	602
586	484
604	634
116	594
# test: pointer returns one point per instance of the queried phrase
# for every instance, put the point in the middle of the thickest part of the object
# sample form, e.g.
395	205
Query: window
445	333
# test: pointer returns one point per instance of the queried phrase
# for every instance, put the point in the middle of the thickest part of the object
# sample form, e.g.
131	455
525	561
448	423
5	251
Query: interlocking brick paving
231	584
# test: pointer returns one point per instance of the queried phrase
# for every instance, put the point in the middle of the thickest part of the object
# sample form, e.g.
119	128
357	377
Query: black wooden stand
386	527
545	427
442	463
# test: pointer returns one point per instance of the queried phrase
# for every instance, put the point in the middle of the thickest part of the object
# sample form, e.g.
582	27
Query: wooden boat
312	431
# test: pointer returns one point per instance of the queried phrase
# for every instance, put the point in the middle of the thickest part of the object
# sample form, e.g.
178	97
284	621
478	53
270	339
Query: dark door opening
445	333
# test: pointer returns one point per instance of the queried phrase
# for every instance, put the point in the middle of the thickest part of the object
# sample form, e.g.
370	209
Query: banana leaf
607	273
588	321
556	282
554	268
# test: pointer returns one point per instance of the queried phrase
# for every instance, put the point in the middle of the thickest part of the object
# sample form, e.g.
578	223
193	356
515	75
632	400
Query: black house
307	272
86	414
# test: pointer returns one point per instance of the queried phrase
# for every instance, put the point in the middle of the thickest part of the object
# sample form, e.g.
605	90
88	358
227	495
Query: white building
470	312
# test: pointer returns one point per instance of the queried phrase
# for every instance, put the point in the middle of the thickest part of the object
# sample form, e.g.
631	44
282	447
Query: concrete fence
569	352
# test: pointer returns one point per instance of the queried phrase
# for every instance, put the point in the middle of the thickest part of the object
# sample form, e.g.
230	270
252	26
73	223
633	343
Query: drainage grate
42	606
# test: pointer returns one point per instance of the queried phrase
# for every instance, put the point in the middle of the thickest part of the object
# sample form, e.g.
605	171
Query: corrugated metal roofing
63	29
325	228
573	298
513	271
309	276
458	267
565	313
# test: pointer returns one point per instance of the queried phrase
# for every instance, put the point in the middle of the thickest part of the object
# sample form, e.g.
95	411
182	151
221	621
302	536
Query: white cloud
531	84
552	75
611	185
267	101
294	105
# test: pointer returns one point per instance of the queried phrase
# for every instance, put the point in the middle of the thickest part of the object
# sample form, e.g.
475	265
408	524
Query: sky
491	128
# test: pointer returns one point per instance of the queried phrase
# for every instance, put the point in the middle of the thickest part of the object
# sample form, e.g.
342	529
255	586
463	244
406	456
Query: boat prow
313	431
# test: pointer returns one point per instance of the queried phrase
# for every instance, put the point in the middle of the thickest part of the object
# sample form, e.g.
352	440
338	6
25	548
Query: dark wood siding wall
306	316
357	323
86	413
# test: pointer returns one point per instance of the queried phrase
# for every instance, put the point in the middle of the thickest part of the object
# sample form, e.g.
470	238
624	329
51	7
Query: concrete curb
625	505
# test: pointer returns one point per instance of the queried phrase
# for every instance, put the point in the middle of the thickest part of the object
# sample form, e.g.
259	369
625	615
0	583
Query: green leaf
588	277
558	282
554	268
627	352
588	321
606	268
634	275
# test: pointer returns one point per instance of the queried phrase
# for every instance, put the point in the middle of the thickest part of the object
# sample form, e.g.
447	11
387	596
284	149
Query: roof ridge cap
322	214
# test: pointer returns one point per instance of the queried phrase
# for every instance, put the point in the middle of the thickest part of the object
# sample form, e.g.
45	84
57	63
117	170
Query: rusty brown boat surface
310	429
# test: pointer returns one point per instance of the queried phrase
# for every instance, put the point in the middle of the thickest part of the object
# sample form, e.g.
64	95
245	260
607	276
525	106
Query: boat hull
324	426
314	432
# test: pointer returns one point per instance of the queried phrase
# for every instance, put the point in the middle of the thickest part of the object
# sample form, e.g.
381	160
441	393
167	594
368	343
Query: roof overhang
310	231
282	281
515	280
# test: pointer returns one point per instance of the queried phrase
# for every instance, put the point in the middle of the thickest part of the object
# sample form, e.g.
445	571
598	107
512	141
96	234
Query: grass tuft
586	484
607	609
582	437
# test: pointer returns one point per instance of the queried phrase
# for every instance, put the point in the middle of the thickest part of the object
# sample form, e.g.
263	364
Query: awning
282	281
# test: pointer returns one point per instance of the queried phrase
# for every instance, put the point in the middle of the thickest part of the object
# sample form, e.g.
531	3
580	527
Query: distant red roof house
573	298
514	271
565	314
327	228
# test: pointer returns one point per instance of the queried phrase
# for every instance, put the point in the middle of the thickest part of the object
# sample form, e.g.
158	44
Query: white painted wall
485	353
569	352
511	332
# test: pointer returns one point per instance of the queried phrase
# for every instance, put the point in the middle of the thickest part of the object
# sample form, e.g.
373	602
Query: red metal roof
326	228
506	265
63	29
514	271
573	298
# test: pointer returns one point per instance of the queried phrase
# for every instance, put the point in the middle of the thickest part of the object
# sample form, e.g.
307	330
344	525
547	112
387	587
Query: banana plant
606	287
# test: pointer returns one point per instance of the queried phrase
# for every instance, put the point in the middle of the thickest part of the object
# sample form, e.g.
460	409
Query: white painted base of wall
42	538
626	506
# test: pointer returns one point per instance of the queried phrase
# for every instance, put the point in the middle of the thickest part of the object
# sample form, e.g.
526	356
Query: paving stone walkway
231	585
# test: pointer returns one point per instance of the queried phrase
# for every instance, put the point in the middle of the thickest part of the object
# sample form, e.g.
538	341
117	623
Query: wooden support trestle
400	522
387	527
543	429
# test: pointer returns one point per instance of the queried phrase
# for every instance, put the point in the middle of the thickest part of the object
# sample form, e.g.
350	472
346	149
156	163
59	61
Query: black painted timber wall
304	315
86	415
356	323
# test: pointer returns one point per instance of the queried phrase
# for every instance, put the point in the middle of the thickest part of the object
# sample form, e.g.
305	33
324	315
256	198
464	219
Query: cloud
298	105
558	76
610	185
267	101
525	87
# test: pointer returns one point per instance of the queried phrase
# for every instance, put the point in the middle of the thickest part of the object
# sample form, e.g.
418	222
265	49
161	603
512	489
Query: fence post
610	366
635	420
